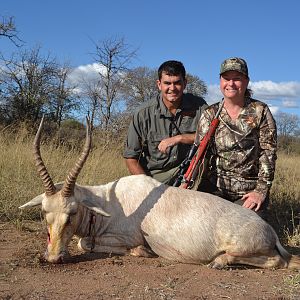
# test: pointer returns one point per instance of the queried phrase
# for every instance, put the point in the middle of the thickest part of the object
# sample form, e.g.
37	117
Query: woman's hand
253	200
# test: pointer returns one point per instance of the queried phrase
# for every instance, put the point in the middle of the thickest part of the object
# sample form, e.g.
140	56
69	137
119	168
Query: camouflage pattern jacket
242	153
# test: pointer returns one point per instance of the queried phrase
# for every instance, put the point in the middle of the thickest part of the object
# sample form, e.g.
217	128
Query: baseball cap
234	64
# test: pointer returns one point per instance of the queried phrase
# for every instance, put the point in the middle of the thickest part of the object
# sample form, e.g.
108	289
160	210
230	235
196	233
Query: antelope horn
42	171
69	184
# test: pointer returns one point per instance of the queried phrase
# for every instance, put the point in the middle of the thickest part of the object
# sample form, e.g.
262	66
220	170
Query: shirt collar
165	112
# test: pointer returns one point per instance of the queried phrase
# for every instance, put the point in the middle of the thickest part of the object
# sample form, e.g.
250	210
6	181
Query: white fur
178	224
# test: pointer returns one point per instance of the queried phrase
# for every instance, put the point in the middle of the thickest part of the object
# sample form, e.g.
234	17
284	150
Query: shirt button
174	156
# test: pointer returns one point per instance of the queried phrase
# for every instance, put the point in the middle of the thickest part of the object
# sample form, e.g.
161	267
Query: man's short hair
173	68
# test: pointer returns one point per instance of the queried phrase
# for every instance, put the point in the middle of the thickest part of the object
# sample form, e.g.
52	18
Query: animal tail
292	261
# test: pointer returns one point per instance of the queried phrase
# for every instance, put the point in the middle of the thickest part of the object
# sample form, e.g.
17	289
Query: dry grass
19	181
285	198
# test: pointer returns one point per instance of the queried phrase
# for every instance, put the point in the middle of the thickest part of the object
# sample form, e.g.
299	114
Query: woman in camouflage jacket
242	153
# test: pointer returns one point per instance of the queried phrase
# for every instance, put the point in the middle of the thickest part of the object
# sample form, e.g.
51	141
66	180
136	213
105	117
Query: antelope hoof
142	251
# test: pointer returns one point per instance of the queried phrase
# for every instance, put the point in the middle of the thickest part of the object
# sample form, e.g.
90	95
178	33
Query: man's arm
187	138
134	147
134	167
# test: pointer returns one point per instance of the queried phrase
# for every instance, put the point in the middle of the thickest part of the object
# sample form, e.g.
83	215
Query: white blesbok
136	212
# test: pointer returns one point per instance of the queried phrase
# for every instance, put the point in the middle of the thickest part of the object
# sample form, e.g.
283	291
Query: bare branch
195	85
139	86
33	84
8	29
114	55
287	124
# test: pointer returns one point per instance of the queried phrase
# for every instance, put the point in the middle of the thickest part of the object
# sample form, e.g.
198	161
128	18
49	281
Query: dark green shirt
152	123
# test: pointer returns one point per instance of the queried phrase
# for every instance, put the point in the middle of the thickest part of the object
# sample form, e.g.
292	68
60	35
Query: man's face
171	87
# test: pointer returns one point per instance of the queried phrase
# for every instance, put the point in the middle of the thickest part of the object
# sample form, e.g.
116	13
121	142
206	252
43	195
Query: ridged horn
69	184
42	171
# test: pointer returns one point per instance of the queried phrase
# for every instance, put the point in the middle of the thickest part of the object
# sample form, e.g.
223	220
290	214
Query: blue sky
199	33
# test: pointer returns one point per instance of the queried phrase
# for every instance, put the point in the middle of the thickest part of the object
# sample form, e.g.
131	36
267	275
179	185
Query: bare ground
24	275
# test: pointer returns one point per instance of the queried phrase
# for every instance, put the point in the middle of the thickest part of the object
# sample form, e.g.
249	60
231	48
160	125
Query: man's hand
186	138
253	200
165	144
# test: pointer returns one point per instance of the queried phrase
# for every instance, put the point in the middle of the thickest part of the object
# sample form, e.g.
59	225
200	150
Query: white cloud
290	103
274	109
270	90
285	94
86	72
213	94
94	68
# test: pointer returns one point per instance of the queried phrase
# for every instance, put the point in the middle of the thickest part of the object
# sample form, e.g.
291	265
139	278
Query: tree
288	132
195	85
32	84
8	29
91	95
139	85
63	97
287	124
115	56
27	83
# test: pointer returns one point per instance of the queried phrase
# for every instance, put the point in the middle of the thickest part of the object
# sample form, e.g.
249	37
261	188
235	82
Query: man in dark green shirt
162	130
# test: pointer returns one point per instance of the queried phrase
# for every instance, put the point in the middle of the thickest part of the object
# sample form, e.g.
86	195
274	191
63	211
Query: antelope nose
55	259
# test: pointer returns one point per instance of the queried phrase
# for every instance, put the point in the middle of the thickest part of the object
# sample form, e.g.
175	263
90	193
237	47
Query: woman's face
233	84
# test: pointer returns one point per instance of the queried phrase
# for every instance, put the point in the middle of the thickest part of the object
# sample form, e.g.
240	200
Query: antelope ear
95	207
34	202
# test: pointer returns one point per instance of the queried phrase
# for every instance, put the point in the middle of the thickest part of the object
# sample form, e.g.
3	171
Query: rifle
189	167
184	165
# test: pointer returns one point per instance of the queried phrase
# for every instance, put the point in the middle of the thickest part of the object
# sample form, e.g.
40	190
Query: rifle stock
188	172
199	156
184	165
